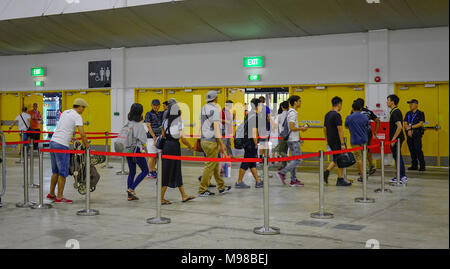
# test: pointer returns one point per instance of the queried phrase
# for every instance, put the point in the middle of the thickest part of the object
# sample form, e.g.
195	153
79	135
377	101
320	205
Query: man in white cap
68	122
211	142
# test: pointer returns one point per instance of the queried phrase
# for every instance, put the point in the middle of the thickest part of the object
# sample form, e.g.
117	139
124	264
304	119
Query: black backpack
241	136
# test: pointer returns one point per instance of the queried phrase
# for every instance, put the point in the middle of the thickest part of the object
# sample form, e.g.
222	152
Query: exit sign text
255	61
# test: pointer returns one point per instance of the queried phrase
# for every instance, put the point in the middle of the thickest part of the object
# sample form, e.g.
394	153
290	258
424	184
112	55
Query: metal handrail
2	192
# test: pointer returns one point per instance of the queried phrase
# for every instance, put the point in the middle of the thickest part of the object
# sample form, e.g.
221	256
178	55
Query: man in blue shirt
357	123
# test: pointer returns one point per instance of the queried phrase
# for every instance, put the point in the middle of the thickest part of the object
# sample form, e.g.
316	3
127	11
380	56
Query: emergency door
96	117
146	96
10	108
433	101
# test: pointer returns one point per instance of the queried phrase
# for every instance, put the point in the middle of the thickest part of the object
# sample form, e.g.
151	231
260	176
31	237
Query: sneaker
153	175
326	174
281	177
259	184
296	183
404	179
422	169
227	189
206	194
394	180
360	179
63	201
241	185
51	198
413	168
342	183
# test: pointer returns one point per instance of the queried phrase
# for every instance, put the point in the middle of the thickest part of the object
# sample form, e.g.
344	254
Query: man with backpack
249	132
212	145
291	133
153	120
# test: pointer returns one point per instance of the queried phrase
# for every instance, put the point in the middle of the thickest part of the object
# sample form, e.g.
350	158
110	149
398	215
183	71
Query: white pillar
118	88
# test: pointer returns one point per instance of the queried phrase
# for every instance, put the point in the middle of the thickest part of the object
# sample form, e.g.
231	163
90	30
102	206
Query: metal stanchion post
397	164
26	198
364	199
345	169
32	185
3	174
266	229
107	165
22	146
321	214
88	211
382	189
123	171
158	219
41	204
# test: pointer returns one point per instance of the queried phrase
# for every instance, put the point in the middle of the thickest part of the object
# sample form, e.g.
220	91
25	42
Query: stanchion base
156	220
122	173
366	201
266	231
43	206
397	184
25	205
324	215
34	186
90	212
382	191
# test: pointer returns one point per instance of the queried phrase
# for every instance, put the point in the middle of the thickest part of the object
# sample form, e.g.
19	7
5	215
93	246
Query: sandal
188	199
165	202
132	195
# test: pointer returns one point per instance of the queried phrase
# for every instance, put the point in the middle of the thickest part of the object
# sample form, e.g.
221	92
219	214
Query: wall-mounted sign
100	74
254	77
38	83
254	62
38	72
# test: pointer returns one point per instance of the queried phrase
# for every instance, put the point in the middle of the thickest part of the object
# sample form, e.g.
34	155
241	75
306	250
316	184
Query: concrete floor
413	217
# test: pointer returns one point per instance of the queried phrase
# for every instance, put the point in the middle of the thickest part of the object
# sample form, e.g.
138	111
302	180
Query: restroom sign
100	74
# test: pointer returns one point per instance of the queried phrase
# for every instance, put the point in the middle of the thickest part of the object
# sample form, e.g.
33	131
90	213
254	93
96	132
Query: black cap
413	101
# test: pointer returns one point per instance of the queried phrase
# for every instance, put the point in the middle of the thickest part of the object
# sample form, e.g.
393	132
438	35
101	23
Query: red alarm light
377	79
377	70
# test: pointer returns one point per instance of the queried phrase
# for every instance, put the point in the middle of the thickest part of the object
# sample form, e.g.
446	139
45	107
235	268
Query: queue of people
216	132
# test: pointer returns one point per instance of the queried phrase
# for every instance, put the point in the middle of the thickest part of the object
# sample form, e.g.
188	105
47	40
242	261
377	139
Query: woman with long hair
171	169
139	139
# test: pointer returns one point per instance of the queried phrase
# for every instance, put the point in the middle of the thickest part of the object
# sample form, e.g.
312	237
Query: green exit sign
37	71
254	77
38	83
255	61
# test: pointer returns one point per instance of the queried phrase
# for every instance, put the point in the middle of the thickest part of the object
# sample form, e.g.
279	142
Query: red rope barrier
299	157
44	132
64	151
151	155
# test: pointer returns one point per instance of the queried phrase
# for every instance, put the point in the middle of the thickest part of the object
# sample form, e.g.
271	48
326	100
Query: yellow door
348	95
10	108
443	132
97	117
314	106
316	103
191	101
428	98
146	96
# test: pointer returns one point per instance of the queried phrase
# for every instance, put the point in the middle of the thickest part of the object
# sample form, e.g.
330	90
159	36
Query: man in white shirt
63	135
23	121
293	142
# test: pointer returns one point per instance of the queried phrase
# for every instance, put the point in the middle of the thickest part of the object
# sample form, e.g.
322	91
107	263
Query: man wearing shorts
63	135
357	123
335	138
153	119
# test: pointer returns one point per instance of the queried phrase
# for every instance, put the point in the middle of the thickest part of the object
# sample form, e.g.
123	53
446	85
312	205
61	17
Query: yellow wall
10	108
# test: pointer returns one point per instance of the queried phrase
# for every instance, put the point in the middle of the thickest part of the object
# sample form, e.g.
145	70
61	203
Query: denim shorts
60	161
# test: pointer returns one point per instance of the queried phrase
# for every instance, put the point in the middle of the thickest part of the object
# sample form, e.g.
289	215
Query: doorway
274	96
